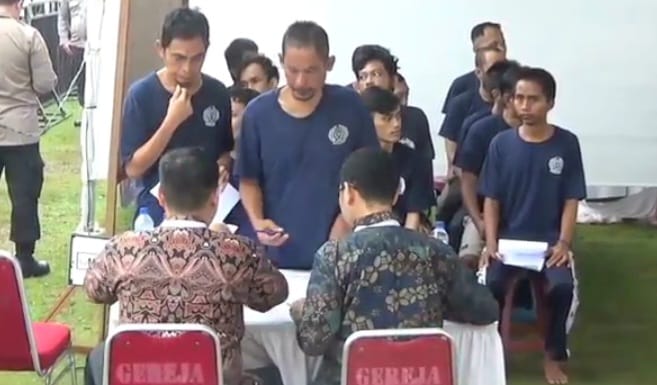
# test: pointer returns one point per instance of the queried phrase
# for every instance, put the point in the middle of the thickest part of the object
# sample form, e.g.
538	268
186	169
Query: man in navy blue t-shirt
416	194
374	65
292	145
470	154
468	103
482	35
532	181
177	106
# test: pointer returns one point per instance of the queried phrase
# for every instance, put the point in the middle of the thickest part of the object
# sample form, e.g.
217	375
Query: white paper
227	200
524	254
84	249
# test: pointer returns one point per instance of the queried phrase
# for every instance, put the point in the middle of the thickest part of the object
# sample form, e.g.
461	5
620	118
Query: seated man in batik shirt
206	276
381	276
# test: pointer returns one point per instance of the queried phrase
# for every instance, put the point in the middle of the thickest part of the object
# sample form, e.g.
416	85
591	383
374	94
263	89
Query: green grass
614	343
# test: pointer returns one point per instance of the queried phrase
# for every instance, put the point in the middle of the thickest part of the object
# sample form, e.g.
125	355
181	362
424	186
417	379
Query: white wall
602	54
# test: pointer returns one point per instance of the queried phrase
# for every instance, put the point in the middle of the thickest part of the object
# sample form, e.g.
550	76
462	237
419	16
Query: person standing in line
27	72
176	106
486	34
237	51
292	145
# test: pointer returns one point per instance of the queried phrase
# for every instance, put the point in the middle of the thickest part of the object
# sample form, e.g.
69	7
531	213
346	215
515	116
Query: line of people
511	174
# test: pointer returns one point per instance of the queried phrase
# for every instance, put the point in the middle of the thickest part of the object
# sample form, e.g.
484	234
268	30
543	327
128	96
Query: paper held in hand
228	198
524	254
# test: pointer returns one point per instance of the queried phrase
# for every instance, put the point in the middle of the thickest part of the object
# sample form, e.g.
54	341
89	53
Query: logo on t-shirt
338	134
555	164
402	186
211	116
407	142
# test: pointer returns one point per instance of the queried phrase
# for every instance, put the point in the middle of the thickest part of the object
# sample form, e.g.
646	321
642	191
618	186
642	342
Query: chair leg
71	366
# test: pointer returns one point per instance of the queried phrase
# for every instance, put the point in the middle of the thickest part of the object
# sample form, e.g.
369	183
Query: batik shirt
188	274
384	276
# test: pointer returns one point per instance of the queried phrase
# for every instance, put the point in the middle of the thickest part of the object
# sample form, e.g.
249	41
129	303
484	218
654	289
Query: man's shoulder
484	123
262	103
464	81
566	134
461	102
342	94
413	112
396	237
214	85
144	87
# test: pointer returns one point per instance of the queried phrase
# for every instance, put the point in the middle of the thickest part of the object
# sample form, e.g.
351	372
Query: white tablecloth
270	338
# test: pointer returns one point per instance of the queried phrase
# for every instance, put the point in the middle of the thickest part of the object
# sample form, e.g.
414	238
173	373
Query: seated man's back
183	272
382	276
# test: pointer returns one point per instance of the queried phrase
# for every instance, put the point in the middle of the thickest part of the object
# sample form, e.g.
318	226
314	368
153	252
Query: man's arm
44	78
469	192
568	221
149	150
249	167
419	190
491	222
64	22
268	287
449	130
322	310
466	300
491	187
101	279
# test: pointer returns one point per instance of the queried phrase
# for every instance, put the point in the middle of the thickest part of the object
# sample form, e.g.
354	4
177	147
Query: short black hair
377	99
307	34
263	61
501	76
184	23
237	51
188	176
480	29
481	53
541	77
243	95
373	173
373	52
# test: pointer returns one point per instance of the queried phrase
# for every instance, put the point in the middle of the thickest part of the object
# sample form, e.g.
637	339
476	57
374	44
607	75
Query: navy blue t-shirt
416	132
144	111
531	182
416	172
471	153
297	163
459	109
462	84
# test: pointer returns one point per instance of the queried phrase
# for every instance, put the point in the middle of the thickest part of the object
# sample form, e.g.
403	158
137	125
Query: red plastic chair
174	354
403	356
27	346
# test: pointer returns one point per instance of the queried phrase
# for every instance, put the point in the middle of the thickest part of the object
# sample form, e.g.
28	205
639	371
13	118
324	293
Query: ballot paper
228	198
524	254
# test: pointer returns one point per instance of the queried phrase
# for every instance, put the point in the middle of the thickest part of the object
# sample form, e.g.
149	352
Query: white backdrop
601	53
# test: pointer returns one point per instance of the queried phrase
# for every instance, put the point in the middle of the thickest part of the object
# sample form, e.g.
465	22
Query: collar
380	219
181	223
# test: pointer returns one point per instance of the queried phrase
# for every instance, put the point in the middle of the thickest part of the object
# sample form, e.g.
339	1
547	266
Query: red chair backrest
14	320
176	358
419	360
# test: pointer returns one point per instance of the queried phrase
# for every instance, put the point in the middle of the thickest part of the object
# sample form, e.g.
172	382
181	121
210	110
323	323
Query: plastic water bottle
144	222
440	233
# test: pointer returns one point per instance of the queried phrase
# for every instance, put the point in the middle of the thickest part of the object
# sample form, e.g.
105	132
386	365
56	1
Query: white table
270	338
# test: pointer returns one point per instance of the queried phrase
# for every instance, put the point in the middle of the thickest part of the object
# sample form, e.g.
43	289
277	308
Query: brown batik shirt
183	272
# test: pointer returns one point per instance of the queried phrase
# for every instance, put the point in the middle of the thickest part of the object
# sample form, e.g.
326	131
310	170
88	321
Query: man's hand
180	106
296	309
559	255
224	177
489	253
66	46
219	228
269	233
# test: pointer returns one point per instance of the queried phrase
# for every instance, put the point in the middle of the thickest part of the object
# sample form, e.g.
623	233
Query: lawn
615	340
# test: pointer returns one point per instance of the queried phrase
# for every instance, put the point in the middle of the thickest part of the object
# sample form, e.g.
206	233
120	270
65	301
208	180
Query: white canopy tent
597	52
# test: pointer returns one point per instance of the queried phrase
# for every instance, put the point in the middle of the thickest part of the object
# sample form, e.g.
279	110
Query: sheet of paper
524	254
227	200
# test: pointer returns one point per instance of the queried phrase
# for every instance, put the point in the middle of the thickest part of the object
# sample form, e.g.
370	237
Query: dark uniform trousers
23	171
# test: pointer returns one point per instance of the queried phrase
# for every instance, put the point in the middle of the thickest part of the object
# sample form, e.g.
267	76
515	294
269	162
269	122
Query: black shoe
33	268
